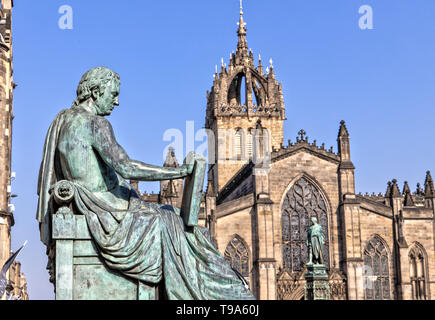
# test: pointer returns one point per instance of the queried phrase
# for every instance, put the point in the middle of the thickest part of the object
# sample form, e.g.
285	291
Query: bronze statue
315	242
147	242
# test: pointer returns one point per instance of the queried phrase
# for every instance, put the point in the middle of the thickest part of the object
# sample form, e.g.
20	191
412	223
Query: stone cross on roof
302	133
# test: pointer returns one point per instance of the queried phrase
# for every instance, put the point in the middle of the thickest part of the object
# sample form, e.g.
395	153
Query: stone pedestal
317	286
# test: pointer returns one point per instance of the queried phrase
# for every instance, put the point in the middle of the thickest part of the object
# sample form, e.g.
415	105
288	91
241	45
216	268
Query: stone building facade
261	195
16	280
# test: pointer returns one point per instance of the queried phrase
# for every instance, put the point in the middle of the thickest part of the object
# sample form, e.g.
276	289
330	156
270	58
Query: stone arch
419	275
304	198
313	181
238	255
235	87
377	273
260	91
261	142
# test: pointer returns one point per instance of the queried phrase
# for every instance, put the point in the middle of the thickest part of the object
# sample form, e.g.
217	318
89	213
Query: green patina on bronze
315	242
147	243
317	285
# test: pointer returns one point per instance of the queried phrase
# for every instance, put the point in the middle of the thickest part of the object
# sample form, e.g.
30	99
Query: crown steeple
242	91
242	45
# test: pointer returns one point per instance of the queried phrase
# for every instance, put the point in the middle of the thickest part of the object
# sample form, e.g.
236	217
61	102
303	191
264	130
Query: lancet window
249	140
301	203
377	271
236	253
417	269
238	143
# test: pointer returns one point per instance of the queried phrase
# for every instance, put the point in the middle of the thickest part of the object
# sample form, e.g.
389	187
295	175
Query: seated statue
142	241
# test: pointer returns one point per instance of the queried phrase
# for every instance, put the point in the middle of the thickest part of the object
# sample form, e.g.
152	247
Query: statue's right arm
114	156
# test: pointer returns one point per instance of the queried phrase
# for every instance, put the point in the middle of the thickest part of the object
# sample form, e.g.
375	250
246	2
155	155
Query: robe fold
147	242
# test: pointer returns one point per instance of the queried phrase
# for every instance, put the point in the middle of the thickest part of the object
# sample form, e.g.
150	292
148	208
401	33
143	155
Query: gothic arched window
377	282
417	270
261	142
249	140
301	203
237	256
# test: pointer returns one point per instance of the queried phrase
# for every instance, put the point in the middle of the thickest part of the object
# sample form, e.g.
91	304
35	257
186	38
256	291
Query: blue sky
380	81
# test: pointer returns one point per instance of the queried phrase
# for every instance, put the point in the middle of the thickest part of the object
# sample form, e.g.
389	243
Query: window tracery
302	202
417	273
377	278
236	253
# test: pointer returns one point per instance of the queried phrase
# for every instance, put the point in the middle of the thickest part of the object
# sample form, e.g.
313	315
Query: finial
216	69
429	189
171	160
271	62
342	132
302	133
395	192
267	70
241	7
222	61
408	202
388	192
259	57
406	188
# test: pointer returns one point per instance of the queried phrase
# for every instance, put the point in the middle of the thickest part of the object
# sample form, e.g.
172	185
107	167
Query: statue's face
314	220
107	101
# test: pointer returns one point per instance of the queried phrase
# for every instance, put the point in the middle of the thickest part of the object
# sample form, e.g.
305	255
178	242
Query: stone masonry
261	194
16	280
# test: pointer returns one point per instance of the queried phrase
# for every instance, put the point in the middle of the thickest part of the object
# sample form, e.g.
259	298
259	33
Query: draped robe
143	241
315	241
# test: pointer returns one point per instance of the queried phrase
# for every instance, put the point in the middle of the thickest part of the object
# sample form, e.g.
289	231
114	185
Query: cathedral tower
245	112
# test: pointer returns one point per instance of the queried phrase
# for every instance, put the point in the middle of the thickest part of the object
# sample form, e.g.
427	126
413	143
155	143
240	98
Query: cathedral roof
302	145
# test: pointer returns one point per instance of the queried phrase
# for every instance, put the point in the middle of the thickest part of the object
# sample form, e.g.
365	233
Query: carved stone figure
149	243
315	242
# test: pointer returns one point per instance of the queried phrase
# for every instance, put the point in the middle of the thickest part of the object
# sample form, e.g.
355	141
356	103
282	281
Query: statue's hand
190	161
186	169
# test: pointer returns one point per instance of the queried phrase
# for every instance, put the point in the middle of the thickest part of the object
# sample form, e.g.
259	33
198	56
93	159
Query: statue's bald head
99	78
314	220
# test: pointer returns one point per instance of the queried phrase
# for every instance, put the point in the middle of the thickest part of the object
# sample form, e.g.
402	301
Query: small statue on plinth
315	242
317	286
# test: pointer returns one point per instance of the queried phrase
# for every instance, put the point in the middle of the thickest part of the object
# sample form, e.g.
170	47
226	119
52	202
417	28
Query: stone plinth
317	286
